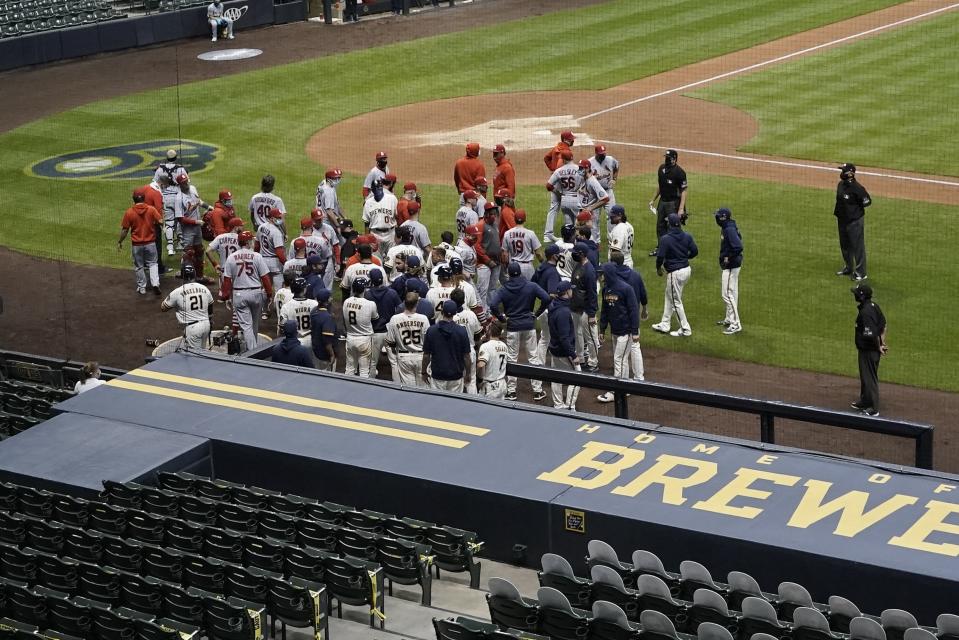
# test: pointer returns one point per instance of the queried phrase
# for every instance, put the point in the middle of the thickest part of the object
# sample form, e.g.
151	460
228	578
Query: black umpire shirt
851	201
672	182
870	323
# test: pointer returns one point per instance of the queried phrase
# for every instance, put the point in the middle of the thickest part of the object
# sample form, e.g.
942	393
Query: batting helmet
567	232
188	273
298	286
182	178
567	137
360	285
245	237
722	214
333	173
674	220
456	265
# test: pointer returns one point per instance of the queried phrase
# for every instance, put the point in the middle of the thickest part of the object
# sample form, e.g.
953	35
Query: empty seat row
29	389
647	572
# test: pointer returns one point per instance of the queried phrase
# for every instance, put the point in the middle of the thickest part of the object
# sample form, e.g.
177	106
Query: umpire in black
671	191
851	202
871	345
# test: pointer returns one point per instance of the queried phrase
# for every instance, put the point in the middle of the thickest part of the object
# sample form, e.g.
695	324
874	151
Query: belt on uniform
523	261
194	322
248	288
386	230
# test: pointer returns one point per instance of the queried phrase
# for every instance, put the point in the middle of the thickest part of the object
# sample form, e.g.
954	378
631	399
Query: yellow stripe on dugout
311	402
287	413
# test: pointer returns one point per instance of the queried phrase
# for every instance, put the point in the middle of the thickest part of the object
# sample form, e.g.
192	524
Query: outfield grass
885	101
796	313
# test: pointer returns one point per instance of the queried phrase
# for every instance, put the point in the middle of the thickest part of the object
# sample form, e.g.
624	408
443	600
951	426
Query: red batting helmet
182	178
244	237
333	173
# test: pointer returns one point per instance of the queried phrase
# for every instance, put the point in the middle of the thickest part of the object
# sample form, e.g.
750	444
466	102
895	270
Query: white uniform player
606	169
186	204
621	234
564	185
380	218
358	316
591	195
271	238
245	269
378	172
260	206
438	294
280	298
401	251
468	320
521	245
298	310
327	197
192	302
564	260
493	358
356	271
405	333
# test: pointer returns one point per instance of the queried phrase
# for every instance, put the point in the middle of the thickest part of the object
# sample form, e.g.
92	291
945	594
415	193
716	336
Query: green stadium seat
184	536
45	535
146	527
99	583
304	563
184	605
8	497
264	553
249	583
36	503
558	619
354	582
141	594
408	529
122	553
356	543
277	526
233	619
455	550
17	565
223	545
26	605
316	534
107	519
233	516
204	573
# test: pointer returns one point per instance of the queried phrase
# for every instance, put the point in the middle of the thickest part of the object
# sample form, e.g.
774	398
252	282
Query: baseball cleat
156	290
857	406
169	250
723	323
730	330
231	36
662	328
654	251
213	39
843	272
606	397
510	396
858	278
539	395
681	333
872	413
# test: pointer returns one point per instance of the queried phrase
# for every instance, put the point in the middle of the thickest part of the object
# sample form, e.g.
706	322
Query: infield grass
796	313
885	101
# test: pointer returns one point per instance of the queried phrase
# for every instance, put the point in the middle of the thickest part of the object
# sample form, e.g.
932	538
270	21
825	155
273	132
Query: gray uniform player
466	215
327	197
358	316
187	208
400	252
263	202
193	304
247	284
606	169
378	172
299	309
405	333
270	237
564	186
165	176
491	364
421	235
521	244
592	197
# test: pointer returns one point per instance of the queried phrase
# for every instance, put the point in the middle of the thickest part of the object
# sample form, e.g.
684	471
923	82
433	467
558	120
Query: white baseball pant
486	280
453	386
622	356
408	369
543	343
197	335
548	233
276	272
675	281
359	350
495	388
527	269
379	339
730	294
385	242
514	341
471	387
563	399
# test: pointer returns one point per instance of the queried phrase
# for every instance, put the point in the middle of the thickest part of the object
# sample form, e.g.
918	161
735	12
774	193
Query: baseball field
762	99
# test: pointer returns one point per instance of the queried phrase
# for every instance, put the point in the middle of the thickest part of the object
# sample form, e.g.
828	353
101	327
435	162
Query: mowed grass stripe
277	412
885	101
340	407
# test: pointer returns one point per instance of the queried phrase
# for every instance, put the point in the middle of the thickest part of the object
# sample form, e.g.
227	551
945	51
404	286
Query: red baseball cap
234	222
520	216
225	194
299	243
317	214
182	178
502	193
489	205
381	155
306	223
584	216
409	186
499	149
567	136
469	194
600	149
413	207
334	173
390	177
139	192
481	182
245	236
276	213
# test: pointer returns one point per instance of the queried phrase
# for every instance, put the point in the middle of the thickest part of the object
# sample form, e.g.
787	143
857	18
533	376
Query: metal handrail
767	410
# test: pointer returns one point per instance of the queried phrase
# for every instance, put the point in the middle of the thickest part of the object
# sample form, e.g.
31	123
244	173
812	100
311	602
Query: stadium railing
767	410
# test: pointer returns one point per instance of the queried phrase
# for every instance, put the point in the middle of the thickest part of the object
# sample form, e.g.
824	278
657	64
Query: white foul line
769	62
783	163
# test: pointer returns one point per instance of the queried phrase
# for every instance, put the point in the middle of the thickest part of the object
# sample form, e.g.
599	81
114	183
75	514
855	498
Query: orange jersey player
468	168
554	157
505	175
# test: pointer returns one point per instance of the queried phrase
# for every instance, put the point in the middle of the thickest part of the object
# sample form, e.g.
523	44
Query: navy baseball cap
848	166
582	247
289	328
417	285
617	210
450	308
513	269
552	250
562	287
674	220
376	276
412	261
323	295
314	259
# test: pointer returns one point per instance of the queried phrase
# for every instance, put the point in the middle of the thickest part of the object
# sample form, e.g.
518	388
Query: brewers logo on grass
136	161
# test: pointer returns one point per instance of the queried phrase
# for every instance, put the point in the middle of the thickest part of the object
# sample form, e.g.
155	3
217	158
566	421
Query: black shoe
872	413
844	272
156	290
591	369
858	407
653	252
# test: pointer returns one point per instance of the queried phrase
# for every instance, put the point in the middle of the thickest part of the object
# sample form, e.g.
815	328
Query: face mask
227	203
335	182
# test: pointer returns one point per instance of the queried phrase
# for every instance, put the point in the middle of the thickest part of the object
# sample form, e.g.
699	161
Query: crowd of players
448	315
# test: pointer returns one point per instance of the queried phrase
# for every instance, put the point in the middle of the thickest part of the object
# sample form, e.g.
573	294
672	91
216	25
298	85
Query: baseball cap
617	209
469	194
171	154
489	205
674	220
600	149
552	250
417	285
499	149
863	288
235	222
513	269
847	166
225	194
245	236
390	177
276	213
412	261
567	135
376	276
449	308
299	243
323	295
481	181
582	247
346	222
182	178
139	192
584	216
314	259
306	223
562	287
520	216
333	173
502	193
413	207
381	155
316	213
409	186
